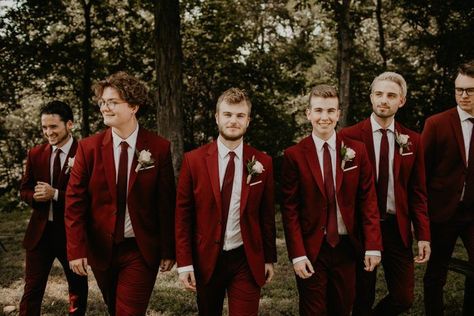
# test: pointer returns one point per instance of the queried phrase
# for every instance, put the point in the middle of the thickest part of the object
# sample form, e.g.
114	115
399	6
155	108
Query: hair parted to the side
322	91
466	69
393	77
234	96
130	89
60	108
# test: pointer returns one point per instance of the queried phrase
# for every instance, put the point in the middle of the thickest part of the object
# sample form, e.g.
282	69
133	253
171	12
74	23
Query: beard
231	137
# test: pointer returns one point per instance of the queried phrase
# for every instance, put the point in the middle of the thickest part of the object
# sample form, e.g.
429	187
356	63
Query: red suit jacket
198	213
91	201
38	169
304	201
409	179
445	161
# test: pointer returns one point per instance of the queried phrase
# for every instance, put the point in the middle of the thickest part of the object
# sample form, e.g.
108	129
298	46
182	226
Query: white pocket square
348	169
407	154
255	183
146	168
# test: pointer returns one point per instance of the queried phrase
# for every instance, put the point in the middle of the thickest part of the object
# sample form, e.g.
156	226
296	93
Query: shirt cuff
375	253
56	194
299	259
185	269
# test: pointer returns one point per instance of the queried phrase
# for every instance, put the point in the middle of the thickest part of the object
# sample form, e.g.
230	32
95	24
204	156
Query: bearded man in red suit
120	201
225	218
43	187
396	156
328	195
448	138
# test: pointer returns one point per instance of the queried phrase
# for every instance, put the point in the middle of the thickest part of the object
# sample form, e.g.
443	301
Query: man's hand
166	264
43	192
304	269
188	280
371	262
269	272
424	251
79	266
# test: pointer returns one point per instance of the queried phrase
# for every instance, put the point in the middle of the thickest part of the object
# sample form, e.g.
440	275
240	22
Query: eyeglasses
110	104
460	91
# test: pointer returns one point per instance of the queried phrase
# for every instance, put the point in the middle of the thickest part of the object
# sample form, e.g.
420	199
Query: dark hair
234	96
60	108
322	91
130	89
466	69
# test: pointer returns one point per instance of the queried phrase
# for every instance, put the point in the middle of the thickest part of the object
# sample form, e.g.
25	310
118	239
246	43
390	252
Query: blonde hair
393	77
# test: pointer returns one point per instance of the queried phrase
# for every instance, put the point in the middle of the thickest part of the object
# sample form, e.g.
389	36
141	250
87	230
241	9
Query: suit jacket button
217	241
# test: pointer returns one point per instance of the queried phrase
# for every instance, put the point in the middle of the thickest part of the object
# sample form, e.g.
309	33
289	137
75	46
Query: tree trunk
169	57
344	48
378	14
86	76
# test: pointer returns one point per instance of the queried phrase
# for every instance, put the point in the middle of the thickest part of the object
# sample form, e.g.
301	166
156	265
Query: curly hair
234	96
130	89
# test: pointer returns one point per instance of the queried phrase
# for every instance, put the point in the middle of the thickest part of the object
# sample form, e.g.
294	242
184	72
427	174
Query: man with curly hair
120	201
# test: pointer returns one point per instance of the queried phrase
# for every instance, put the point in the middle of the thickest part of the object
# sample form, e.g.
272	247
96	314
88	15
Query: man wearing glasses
448	139
120	201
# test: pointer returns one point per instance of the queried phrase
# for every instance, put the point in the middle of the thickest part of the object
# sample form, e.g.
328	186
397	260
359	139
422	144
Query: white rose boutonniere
403	141
145	161
254	167
70	164
347	154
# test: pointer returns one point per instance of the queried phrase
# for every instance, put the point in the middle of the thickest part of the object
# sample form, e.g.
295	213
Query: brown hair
234	96
466	69
323	91
130	89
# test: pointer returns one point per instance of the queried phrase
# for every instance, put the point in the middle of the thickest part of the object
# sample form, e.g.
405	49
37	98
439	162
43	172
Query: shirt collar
320	143
376	126
66	147
223	150
463	115
131	140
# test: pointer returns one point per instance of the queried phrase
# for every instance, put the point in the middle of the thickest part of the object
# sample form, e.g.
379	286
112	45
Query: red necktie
469	191
382	181
121	193
56	168
332	235
226	191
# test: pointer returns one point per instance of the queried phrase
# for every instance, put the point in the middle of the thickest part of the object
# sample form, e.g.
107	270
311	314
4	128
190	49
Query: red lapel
212	163
45	160
108	162
142	144
245	187
339	171
368	139
456	126
397	159
313	162
63	176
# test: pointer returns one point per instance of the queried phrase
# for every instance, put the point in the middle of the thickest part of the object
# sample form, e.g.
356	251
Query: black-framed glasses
111	104
460	91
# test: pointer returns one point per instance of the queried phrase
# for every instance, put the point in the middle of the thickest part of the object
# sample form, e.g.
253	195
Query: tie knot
326	145
471	119
383	131
124	145
231	155
58	151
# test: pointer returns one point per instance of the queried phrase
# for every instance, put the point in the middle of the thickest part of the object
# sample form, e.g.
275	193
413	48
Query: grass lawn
278	298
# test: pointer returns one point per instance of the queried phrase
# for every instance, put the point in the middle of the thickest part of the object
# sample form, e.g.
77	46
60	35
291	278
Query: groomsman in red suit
448	138
225	218
120	201
328	195
397	160
43	187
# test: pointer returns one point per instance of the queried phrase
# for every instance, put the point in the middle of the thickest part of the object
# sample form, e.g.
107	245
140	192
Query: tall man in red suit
448	138
328	195
120	201
225	219
43	187
397	160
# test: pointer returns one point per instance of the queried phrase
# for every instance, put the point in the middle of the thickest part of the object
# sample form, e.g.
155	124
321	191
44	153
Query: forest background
188	52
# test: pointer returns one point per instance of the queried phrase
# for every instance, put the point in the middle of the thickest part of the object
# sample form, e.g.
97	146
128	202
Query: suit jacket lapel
245	187
456	127
368	139
108	162
397	157
62	176
46	161
212	164
142	144
313	162
339	171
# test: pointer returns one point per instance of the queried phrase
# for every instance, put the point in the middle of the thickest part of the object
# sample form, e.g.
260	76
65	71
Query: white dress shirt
467	130
62	158
377	137
132	143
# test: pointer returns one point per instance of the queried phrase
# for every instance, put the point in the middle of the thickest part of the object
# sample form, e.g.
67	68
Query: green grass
278	298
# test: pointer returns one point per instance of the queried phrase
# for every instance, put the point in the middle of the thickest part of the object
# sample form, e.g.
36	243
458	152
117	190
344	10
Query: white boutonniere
403	141
254	167
347	154
70	164
145	160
